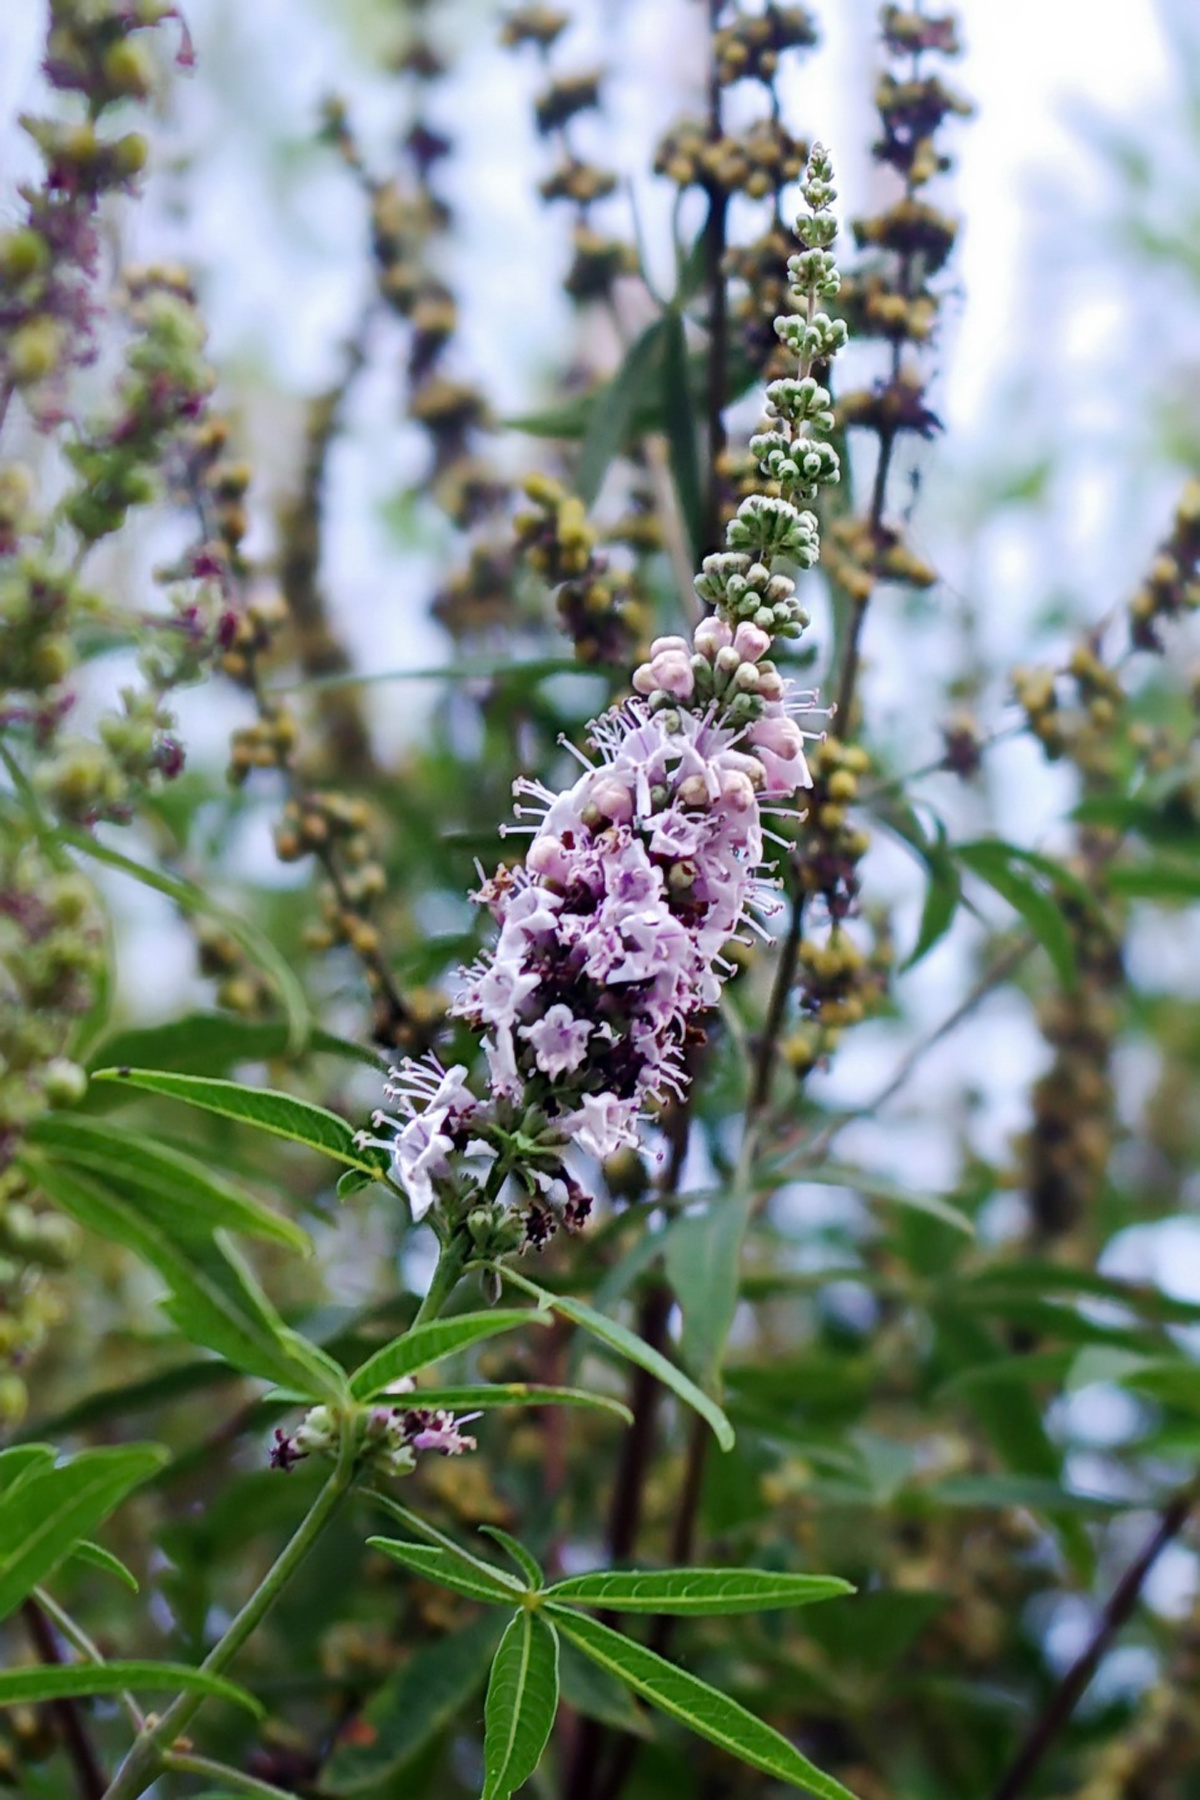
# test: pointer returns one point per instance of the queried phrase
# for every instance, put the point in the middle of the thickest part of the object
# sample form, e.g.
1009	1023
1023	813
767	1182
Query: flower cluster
613	934
391	1434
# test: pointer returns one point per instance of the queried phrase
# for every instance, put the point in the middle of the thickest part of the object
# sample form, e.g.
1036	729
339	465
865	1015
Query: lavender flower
612	936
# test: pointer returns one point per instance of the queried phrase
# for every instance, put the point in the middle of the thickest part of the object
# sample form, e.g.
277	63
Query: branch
89	1776
1057	1712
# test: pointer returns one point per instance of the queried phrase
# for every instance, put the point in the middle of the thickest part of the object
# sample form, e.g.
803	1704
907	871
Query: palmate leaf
630	1346
460	1573
522	1699
265	1109
21	1687
703	1709
702	1593
48	1508
427	1344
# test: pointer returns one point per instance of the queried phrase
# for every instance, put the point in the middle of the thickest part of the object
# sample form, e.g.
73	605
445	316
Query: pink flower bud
672	671
712	635
770	684
614	800
548	859
750	643
662	645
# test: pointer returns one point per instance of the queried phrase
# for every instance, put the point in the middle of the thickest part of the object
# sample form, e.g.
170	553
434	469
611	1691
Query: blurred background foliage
488	296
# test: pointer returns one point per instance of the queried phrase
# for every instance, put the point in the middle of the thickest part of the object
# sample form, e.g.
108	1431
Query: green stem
146	1759
455	1254
219	1771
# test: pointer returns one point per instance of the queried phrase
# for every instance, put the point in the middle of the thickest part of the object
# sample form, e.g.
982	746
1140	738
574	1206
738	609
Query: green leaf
193	899
528	1565
701	1592
20	1687
703	1709
100	1558
282	1115
170	1181
680	420
993	862
702	1255
213	1044
214	1299
46	1513
630	1346
941	899
522	1699
457	1556
22	1461
412	1708
427	1344
613	410
461	1573
593	1692
887	1193
519	1393
1156	879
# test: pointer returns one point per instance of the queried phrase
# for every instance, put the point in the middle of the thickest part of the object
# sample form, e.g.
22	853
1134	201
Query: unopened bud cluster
741	582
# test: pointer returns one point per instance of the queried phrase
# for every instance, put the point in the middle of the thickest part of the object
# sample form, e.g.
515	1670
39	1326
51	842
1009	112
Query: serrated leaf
264	1109
692	1702
412	1708
522	1699
461	1573
696	1592
97	1557
426	1344
169	1181
214	1299
630	1346
46	1513
613	410
22	1687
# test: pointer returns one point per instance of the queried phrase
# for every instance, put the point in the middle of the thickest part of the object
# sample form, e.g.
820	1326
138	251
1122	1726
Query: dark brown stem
785	975
625	1511
1062	1703
848	680
90	1778
319	652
